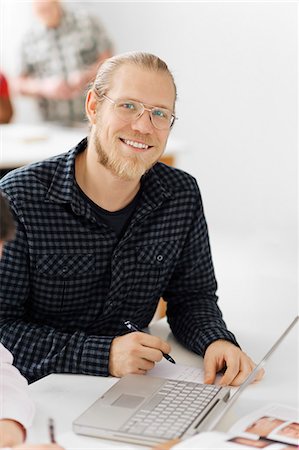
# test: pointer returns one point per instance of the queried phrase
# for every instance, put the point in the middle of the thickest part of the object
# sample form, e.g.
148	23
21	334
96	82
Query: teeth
136	144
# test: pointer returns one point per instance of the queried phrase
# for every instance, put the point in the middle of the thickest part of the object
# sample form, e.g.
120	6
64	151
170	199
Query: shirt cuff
95	355
209	337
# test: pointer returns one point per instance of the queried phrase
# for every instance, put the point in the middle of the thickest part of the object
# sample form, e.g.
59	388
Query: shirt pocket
154	265
64	266
64	282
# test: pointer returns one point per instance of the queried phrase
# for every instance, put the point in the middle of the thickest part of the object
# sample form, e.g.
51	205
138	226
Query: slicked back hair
140	59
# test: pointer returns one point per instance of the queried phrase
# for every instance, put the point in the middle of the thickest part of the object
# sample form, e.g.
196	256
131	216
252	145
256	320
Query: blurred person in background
59	57
16	407
6	109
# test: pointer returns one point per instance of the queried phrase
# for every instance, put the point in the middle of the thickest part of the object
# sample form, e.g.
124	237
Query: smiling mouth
135	144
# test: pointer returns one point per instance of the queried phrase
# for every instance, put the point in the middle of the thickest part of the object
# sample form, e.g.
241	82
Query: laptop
149	410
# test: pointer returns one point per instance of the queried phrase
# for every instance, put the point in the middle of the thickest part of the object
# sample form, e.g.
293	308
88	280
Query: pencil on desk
52	431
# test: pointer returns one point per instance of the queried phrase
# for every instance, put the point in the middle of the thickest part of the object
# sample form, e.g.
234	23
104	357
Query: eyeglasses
130	110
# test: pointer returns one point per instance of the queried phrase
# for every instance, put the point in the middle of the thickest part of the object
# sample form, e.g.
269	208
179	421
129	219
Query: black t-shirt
116	220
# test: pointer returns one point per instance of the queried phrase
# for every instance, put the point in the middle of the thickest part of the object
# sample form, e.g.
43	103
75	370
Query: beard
127	168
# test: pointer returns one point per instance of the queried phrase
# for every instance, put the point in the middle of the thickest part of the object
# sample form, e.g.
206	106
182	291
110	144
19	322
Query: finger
134	370
232	370
245	369
259	375
141	372
142	351
136	365
144	364
149	354
154	342
210	369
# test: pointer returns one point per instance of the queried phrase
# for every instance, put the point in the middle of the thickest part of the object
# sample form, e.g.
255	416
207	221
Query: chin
129	171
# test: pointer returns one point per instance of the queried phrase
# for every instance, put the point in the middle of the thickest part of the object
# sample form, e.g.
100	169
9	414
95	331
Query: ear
91	104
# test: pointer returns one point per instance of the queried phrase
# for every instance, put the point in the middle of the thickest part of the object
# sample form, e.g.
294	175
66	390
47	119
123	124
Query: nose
143	123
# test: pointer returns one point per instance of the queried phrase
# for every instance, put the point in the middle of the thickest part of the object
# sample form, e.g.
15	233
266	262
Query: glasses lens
128	110
162	118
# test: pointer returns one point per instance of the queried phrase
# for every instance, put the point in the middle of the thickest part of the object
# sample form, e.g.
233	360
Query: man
59	57
16	408
103	232
6	109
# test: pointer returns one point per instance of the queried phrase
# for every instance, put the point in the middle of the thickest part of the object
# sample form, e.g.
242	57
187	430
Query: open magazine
274	427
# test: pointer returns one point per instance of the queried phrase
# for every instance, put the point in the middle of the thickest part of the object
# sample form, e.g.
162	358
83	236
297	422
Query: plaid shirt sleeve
192	309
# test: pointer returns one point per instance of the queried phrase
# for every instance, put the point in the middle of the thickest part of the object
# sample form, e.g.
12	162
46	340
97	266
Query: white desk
22	144
65	397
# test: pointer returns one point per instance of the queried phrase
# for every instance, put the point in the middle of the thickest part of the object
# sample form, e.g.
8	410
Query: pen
132	327
51	427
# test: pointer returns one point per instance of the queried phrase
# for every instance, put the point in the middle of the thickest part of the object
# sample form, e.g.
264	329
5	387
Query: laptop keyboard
171	411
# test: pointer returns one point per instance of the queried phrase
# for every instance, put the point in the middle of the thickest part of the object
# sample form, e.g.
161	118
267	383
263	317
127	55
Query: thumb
209	369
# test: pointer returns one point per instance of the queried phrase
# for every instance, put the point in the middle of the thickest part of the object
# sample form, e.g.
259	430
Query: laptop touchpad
128	401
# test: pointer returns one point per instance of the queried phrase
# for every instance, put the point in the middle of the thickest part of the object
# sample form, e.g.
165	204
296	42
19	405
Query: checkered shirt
68	285
77	43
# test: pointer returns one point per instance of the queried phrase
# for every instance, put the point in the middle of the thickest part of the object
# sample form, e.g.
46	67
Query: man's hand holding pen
136	352
132	327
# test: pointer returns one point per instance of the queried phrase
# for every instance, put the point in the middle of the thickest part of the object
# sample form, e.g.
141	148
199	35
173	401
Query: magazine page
274	427
274	422
221	441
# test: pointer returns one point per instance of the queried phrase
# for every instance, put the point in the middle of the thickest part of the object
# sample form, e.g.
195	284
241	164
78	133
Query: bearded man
104	231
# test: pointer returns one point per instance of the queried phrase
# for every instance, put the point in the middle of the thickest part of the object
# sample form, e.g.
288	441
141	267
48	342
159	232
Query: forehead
45	5
148	86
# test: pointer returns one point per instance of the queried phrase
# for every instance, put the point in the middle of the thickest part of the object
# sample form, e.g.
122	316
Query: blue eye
128	105
159	113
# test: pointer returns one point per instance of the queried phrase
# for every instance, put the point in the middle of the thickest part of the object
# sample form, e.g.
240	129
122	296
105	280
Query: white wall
235	64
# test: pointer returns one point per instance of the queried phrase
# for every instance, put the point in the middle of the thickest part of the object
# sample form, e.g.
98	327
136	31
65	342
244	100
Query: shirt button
159	258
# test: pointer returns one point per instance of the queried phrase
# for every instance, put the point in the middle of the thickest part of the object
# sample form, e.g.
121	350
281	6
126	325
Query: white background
235	65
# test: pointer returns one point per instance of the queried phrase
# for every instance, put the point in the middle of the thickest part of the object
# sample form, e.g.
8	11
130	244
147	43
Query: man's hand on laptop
135	353
223	354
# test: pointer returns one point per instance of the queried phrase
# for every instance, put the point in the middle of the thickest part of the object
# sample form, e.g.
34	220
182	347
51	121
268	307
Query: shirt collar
63	188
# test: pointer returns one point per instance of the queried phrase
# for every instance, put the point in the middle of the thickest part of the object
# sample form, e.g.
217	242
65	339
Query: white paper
166	369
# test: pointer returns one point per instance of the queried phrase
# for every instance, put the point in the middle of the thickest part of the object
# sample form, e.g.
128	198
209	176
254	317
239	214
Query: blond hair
140	59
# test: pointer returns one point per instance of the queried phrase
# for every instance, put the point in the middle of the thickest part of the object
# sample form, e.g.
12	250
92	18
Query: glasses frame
150	110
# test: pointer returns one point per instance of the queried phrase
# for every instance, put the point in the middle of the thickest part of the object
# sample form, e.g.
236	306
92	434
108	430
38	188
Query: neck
100	185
